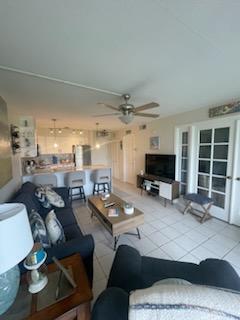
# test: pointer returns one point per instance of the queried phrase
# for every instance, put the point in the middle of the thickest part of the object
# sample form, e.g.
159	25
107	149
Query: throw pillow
40	193
38	228
54	228
172	281
182	302
54	198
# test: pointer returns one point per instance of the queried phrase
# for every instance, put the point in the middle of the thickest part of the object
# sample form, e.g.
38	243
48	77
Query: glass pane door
184	162
213	166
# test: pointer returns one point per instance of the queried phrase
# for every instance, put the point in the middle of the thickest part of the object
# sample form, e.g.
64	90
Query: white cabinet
165	190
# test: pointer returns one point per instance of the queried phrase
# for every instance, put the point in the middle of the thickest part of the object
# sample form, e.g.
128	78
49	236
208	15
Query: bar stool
45	180
101	180
76	180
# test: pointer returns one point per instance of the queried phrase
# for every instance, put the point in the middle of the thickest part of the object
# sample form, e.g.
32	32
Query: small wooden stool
202	201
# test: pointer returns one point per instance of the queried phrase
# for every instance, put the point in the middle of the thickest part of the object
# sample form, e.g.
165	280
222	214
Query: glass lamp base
9	284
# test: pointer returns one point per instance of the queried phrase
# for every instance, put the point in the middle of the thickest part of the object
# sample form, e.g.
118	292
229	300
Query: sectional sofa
131	271
76	242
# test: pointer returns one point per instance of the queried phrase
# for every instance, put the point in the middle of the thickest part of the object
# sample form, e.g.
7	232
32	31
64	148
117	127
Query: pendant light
55	145
97	145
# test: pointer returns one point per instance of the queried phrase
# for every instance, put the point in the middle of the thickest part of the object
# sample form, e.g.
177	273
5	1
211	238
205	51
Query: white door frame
192	154
234	217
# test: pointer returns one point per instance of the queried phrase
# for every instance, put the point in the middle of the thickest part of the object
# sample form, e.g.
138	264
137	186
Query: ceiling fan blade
147	106
149	115
108	106
106	114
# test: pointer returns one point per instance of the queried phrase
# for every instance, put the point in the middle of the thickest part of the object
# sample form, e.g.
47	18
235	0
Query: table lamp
15	243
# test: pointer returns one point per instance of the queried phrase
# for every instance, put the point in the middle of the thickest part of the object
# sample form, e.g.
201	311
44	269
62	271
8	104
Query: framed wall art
154	143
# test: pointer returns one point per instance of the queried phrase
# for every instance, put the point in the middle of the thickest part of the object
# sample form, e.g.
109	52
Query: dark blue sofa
131	271
76	242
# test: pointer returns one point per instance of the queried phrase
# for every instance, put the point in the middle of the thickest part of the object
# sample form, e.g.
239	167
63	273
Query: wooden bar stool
76	180
101	180
203	201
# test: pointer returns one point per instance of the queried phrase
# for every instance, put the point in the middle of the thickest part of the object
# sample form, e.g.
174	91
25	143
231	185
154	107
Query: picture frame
154	143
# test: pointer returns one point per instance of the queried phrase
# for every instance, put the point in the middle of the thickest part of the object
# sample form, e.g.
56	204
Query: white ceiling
181	54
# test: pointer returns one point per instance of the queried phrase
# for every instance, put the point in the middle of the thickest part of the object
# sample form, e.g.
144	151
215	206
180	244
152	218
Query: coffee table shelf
119	225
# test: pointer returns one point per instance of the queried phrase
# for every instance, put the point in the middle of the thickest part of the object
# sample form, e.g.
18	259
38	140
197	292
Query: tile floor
166	234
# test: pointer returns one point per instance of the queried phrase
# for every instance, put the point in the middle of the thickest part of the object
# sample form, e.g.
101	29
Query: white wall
165	129
65	140
101	156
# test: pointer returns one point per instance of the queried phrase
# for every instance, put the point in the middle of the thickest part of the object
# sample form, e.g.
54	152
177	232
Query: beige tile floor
166	233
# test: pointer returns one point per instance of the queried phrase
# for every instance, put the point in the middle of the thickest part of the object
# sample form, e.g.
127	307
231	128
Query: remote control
109	204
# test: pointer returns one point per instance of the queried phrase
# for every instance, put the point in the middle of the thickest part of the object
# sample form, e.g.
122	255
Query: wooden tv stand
166	188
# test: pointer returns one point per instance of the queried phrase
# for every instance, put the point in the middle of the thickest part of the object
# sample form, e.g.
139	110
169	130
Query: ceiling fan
127	110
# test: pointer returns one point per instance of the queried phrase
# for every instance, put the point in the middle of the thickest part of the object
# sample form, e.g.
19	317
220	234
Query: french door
184	153
214	166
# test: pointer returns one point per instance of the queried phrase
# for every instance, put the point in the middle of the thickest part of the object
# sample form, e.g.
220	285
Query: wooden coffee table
74	303
116	225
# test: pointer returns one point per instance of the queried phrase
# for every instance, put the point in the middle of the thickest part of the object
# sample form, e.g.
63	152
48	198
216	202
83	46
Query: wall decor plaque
224	109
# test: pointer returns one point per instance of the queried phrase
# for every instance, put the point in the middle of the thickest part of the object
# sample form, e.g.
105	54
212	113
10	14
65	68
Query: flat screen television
161	165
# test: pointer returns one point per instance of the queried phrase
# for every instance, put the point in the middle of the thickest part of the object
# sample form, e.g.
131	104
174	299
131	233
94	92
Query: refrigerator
86	153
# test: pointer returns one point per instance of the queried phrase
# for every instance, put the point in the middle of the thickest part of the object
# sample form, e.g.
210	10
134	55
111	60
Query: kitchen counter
55	169
61	172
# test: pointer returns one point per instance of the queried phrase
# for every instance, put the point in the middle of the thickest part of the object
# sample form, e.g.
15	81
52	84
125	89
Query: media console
166	188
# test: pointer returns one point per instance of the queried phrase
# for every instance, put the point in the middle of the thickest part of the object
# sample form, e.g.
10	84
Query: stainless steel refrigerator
87	158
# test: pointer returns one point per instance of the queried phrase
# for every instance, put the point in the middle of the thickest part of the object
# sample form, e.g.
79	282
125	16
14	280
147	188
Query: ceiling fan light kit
126	118
127	111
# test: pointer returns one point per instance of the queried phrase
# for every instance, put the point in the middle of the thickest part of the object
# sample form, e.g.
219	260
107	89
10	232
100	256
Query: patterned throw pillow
54	228
54	198
48	197
40	193
38	228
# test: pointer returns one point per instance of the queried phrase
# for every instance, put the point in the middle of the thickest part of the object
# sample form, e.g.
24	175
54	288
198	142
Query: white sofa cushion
181	302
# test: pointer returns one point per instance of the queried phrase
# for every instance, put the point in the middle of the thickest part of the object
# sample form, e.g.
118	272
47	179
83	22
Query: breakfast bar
61	173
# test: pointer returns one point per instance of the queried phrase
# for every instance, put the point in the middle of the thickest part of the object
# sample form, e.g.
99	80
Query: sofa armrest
219	273
111	304
84	245
126	269
63	192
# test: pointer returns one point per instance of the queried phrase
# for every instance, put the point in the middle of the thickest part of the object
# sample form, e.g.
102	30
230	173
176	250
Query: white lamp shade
16	239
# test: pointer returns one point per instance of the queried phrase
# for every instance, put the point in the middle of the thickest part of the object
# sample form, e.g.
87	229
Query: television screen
161	165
